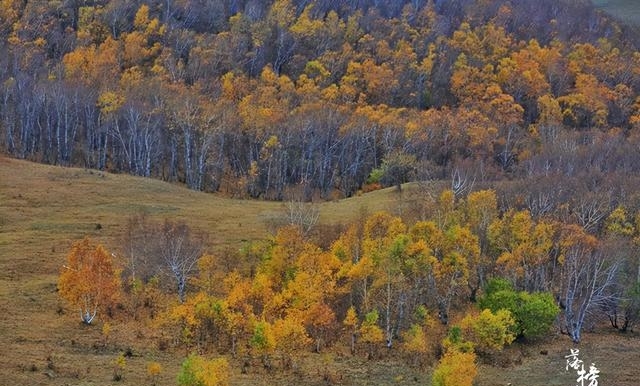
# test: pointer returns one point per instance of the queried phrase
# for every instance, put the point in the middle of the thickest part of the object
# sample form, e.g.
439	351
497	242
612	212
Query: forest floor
43	209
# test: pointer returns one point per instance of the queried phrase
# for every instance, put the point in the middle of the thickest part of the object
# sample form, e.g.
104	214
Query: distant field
626	10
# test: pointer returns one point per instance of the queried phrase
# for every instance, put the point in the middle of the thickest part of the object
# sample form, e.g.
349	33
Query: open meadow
44	208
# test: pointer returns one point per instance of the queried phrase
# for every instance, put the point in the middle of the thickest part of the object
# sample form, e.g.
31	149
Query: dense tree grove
295	99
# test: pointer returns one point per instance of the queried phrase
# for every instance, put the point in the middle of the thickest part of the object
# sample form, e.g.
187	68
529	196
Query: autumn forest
515	123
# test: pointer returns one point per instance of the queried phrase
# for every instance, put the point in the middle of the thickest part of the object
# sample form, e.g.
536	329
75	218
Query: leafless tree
541	203
591	210
138	246
180	249
303	215
589	278
461	182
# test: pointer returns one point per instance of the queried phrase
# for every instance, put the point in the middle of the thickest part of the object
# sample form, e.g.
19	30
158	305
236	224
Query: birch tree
589	278
180	251
89	279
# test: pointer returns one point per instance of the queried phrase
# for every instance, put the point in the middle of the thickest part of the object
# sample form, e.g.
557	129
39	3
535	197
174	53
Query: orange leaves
290	334
89	279
501	107
143	45
587	105
136	51
574	237
79	64
634	120
93	65
9	12
102	60
522	73
468	82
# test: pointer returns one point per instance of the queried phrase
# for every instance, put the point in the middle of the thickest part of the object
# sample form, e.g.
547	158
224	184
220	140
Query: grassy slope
626	10
44	208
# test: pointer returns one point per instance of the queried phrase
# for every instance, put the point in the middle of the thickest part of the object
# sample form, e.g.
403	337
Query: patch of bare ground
543	362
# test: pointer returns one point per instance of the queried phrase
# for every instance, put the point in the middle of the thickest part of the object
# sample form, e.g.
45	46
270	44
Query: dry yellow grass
44	208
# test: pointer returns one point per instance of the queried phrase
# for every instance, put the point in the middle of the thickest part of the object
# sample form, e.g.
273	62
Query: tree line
298	99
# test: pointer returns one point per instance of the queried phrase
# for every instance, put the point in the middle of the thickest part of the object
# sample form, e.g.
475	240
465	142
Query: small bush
153	371
455	369
455	342
198	371
119	364
489	331
534	313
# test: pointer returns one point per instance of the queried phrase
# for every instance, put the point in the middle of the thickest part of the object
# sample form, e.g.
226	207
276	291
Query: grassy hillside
626	10
44	208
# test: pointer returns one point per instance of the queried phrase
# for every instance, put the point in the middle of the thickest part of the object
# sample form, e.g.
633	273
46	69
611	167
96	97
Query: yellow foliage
489	331
197	370
106	330
482	208
523	243
549	110
305	25
264	338
290	335
9	11
361	269
351	319
142	17
618	224
369	330
131	78
154	369
214	372
109	102
282	13
415	340
455	369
